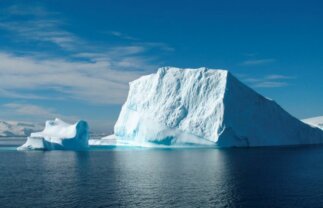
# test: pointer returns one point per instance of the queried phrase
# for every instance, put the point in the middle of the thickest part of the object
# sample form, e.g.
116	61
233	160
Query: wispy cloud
41	31
36	24
49	61
137	41
268	81
35	112
12	94
24	10
95	74
121	35
94	82
256	62
279	77
270	84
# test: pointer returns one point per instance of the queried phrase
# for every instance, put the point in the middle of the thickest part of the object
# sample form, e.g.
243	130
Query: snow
59	135
315	121
176	107
17	129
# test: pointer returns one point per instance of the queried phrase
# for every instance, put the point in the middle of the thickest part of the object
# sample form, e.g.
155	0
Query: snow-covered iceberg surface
59	135
205	107
315	121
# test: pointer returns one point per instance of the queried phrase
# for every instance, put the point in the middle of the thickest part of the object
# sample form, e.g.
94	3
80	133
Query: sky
73	59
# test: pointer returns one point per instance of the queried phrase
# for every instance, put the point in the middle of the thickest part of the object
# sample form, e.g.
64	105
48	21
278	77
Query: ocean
140	177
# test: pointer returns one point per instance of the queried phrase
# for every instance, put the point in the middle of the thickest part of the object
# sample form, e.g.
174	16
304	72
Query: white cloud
34	23
35	112
278	76
45	30
65	65
94	81
20	10
95	74
256	62
268	81
159	45
268	84
121	35
11	94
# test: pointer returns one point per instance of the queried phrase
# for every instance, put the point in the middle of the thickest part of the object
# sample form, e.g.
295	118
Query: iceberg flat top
57	128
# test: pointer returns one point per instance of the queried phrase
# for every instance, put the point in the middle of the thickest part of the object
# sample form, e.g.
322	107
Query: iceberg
59	135
180	107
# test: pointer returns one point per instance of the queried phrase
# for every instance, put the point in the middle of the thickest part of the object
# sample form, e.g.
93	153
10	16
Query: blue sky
74	59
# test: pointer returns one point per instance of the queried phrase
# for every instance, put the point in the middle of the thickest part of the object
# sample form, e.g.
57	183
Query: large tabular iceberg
59	135
205	107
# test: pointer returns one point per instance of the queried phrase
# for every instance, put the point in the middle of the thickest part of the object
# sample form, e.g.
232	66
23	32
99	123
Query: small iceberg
59	135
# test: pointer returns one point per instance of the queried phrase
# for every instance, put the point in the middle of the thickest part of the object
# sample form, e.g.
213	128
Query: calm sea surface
125	177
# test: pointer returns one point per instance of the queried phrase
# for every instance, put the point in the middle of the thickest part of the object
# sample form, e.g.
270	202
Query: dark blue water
261	177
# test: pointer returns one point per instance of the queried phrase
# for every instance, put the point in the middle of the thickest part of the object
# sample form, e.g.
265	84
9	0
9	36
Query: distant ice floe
17	128
315	121
59	135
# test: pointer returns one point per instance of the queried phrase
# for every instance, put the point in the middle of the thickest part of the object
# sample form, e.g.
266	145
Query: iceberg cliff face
205	107
59	135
